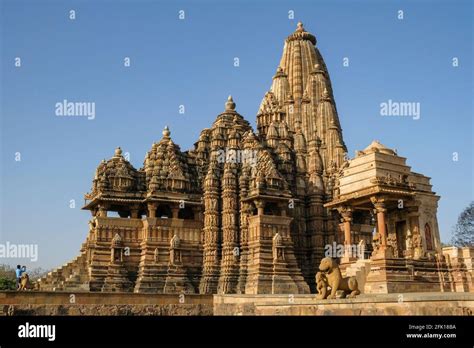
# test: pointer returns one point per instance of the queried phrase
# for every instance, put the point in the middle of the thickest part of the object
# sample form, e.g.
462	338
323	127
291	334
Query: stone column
134	212
260	207
175	212
151	210
380	210
102	210
346	213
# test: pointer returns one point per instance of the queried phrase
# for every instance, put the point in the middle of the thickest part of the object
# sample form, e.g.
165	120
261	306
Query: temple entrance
401	231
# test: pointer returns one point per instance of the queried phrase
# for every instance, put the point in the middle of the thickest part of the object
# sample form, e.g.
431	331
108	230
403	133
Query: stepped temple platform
102	303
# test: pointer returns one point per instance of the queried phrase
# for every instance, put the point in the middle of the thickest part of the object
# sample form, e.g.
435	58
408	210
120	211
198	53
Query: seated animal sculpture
336	282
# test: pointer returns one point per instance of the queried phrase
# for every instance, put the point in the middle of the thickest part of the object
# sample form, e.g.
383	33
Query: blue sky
190	62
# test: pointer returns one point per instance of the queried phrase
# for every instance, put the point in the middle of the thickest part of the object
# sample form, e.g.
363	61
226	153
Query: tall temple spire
301	93
299	58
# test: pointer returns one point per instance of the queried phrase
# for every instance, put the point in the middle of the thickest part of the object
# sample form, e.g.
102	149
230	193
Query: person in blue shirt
18	272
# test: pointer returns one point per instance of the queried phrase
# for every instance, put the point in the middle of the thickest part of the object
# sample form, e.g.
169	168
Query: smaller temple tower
377	186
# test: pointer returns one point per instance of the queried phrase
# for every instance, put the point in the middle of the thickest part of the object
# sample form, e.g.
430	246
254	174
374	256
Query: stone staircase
72	276
359	269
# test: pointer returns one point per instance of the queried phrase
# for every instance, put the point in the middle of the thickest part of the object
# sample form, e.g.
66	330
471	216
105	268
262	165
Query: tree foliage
7	278
463	234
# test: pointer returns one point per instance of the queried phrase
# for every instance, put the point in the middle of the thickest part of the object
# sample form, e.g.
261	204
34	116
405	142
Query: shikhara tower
251	212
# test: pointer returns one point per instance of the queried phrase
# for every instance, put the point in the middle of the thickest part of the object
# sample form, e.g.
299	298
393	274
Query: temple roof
166	167
376	146
115	175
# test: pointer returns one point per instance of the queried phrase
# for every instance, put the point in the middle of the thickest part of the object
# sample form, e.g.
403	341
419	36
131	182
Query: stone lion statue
24	282
348	285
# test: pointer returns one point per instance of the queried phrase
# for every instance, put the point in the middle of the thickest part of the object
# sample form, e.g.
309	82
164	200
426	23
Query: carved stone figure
278	248
375	243
321	286
361	249
24	282
418	252
175	251
409	245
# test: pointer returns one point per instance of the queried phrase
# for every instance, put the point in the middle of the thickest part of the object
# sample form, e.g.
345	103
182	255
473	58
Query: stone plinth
376	304
400	275
461	264
103	303
94	303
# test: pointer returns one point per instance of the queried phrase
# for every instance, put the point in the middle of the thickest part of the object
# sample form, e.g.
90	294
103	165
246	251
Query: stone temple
254	211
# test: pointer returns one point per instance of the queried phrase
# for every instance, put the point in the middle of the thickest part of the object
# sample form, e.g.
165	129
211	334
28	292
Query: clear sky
190	62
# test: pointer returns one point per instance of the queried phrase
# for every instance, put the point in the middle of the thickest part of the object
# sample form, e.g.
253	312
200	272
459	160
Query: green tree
7	283
463	234
7	278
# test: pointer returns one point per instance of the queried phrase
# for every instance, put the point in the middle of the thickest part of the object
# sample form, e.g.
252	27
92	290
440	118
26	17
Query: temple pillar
346	214
382	250
134	212
102	211
381	224
260	207
175	212
151	210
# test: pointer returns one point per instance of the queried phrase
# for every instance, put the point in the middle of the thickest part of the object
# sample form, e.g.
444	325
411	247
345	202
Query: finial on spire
301	34
118	152
166	132
299	26
230	105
